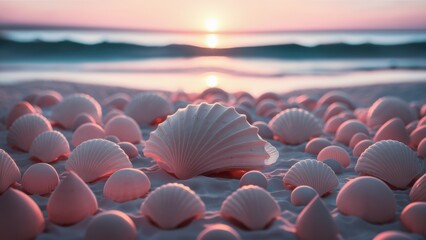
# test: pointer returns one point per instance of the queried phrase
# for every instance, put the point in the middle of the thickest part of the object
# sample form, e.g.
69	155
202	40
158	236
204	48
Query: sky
218	15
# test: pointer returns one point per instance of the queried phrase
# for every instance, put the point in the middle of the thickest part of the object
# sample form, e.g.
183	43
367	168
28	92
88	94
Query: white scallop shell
334	123
314	146
97	158
207	138
254	178
302	195
252	206
148	108
218	231
386	108
417	136
336	97
124	128
393	129
361	147
25	129
295	126
18	110
358	137
418	191
172	204
71	106
111	225
49	146
40	178
117	101
9	171
312	173
336	153
126	184
390	161
348	129
86	132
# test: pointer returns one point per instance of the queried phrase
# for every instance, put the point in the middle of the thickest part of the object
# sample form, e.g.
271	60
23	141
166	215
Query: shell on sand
312	173
334	165
295	126
214	93
333	110
361	114
126	184
9	171
18	110
71	202
111	114
252	206
358	137
97	158
113	139
207	138
393	235
336	97
393	129
386	108
390	161
86	132
336	153
49	146
117	101
130	149
81	119
267	107
254	178
47	98
145	108
172	204
418	191
264	131
368	198
421	149
348	129
315	145
113	225
334	123
244	111
411	126
218	231
306	101
316	222
71	106
361	147
20	216
40	178
417	136
25	129
124	128
413	217
302	195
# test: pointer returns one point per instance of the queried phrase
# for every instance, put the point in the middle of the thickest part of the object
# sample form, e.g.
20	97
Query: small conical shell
361	147
218	231
20	109
172	204
417	136
124	128
126	184
315	145
394	129
9	171
25	129
111	225
86	132
413	217
312	173
71	202
147	108
40	178
336	97
418	191
386	108
252	206
358	137
334	123
348	129
49	146
336	153
391	161
97	158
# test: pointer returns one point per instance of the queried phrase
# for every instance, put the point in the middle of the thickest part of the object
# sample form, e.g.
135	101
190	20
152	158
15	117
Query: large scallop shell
49	146
86	132
367	198
391	161
348	129
417	136
207	138
295	126
126	184
9	171
171	205
40	178
124	128
218	231
252	206
148	108
336	153
71	202
361	147
25	129
111	225
336	97
334	123
18	110
315	145
418	191
312	173
71	106
97	158
394	129
413	217
20	216
386	108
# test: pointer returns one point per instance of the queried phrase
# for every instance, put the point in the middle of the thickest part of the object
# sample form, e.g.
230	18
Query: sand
214	190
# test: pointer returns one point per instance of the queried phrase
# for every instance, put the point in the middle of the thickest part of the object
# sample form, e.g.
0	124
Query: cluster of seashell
126	184
18	110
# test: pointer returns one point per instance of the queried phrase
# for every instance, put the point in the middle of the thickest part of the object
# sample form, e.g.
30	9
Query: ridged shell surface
124	128
361	147
418	191
394	129
145	108
40	178
126	184
18	110
86	132
336	153
111	225
49	146
9	171
348	129
386	108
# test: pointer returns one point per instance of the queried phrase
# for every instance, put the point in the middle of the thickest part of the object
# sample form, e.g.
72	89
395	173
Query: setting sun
212	40
211	80
211	25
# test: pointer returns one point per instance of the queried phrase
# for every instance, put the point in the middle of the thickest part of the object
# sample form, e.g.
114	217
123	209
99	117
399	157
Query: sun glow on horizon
212	80
212	40
211	25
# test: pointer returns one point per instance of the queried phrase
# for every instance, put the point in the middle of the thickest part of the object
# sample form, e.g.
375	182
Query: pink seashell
178	96
207	138
315	145
113	139
336	153
392	235
86	132
20	109
117	101
97	158
302	195
25	129
111	114
20	216
417	136
307	102
47	98
71	106
361	114
242	94
367	198
295	126
175	198
418	191
347	114
268	95
40	178
214	93
218	231
390	161
336	97
49	147
251	206
421	148
394	129
31	98
411	126
81	119
246	102
9	171
386	108
254	178
71	202
348	129
266	107
130	149
333	110
356	138
334	123
316	222
112	225
312	173
423	110
148	108
38	110
244	111
334	165
264	131
413	217
319	111
124	128
126	184
422	121
361	147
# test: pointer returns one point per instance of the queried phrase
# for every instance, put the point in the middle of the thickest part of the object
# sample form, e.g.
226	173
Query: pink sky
232	15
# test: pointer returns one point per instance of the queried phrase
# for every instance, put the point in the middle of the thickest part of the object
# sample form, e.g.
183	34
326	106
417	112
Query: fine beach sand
213	191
